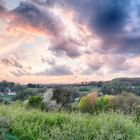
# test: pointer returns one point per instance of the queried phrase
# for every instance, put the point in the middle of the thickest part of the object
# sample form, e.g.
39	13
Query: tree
23	95
87	103
104	103
62	96
127	102
6	85
36	102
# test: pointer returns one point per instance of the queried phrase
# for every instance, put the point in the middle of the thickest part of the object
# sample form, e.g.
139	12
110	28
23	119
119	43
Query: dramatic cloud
2	8
70	47
124	46
69	40
35	16
103	16
116	22
38	18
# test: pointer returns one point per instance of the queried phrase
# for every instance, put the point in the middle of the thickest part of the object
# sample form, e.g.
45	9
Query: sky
69	41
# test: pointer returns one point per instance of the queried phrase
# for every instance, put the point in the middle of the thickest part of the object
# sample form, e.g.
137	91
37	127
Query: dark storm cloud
110	16
2	7
108	19
30	13
104	16
70	47
128	45
34	14
131	45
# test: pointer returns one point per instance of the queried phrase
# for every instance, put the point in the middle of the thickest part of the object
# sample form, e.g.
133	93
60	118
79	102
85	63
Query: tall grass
29	124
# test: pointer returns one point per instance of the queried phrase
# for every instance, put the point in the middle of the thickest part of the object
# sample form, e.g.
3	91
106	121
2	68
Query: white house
12	93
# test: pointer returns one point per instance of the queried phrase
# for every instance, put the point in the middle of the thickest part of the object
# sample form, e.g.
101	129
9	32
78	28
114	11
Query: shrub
93	103
87	103
23	95
4	126
104	103
36	102
62	96
82	89
137	111
127	102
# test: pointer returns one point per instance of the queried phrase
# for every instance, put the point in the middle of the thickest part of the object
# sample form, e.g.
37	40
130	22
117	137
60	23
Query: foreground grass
36	125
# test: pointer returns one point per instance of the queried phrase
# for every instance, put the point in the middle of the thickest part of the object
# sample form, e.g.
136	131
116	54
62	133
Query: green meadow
20	123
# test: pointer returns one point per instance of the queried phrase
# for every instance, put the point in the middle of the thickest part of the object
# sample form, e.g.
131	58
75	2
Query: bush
5	126
104	103
62	96
127	102
26	93
92	103
23	95
137	111
87	103
36	102
84	89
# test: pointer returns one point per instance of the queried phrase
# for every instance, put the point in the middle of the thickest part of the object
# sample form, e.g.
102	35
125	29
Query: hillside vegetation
119	85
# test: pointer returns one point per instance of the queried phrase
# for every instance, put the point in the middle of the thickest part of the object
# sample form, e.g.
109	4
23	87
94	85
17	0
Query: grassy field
29	124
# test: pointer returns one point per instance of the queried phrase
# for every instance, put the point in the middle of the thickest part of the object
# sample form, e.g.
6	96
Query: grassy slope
37	125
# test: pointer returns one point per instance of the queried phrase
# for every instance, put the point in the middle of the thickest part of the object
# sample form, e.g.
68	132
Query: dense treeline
120	85
5	86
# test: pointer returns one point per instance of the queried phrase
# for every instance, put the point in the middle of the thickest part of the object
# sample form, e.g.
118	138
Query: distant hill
119	85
